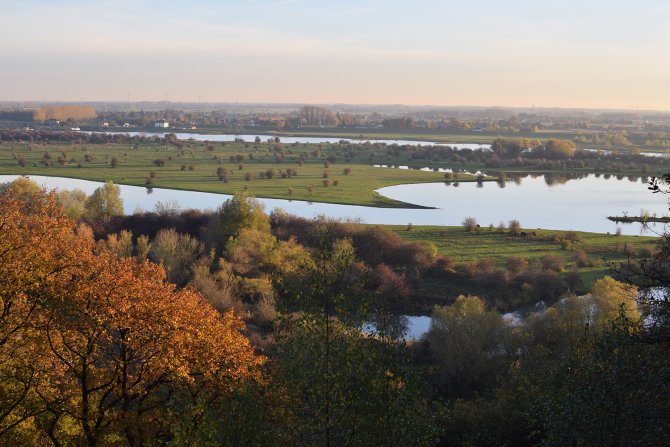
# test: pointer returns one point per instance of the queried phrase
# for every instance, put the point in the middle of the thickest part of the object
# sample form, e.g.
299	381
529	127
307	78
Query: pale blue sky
588	53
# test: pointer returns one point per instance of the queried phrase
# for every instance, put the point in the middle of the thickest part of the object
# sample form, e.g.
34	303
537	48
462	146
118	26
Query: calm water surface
541	202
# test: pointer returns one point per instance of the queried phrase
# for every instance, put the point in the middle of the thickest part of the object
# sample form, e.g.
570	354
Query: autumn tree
38	253
64	113
556	149
126	345
98	349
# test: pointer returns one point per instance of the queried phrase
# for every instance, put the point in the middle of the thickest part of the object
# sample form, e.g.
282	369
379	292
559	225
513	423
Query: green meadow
319	173
597	253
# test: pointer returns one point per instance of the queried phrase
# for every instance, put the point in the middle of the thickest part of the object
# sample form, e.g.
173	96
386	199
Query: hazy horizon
595	55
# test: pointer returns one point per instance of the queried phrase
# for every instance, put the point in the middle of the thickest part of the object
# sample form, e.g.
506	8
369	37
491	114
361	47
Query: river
540	202
290	140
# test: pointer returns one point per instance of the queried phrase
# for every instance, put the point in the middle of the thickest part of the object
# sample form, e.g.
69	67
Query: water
646	154
290	140
542	202
409	327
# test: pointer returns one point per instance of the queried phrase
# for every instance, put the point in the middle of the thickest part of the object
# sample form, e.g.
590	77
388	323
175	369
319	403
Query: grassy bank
601	250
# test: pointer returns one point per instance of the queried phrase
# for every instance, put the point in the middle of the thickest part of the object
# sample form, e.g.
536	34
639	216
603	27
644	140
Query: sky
520	53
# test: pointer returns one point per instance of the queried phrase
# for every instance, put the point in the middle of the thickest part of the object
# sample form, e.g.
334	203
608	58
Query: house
162	124
126	124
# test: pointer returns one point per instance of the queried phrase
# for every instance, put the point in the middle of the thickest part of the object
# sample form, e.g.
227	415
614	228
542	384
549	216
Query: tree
73	201
470	224
610	390
98	349
236	213
611	298
345	387
557	149
38	255
511	147
104	203
514	227
470	343
127	346
177	253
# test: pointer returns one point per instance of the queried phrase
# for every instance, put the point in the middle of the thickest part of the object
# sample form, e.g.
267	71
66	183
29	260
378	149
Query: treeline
585	371
64	113
22	116
60	136
552	154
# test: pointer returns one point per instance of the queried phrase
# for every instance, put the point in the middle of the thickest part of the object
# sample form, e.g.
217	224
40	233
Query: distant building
52	122
162	124
126	124
105	124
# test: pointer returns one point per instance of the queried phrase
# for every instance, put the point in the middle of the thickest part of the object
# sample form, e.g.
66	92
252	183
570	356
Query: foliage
96	348
235	214
177	253
471	345
470	224
104	203
346	388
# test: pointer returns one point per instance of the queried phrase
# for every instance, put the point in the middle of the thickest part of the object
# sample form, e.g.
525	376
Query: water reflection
400	326
582	204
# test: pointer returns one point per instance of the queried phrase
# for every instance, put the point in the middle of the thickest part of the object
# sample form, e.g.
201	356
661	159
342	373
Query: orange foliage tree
98	349
36	251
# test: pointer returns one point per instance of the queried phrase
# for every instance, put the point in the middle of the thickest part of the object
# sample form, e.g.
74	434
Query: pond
290	140
542	202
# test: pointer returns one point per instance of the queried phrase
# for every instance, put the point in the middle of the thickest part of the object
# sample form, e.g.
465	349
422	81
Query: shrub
646	252
515	227
551	262
571	236
470	224
516	264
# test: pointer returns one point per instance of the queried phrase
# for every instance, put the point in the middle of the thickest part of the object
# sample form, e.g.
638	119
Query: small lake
541	202
290	140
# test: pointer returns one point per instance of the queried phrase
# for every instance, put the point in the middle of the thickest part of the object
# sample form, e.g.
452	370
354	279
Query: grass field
604	249
194	167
